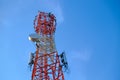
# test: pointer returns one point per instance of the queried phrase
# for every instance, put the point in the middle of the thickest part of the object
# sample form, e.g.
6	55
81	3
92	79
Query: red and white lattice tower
45	60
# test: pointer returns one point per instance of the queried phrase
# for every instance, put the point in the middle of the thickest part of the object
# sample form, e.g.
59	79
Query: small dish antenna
34	37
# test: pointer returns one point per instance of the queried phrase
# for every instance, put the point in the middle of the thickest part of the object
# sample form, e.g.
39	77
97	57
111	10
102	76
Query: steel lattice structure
46	63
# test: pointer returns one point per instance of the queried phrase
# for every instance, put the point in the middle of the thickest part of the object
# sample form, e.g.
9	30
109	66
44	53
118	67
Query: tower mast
46	61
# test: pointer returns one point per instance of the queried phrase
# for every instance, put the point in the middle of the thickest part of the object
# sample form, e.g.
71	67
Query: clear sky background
87	30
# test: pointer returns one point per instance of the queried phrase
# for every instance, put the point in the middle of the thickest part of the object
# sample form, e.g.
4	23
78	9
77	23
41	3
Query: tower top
45	23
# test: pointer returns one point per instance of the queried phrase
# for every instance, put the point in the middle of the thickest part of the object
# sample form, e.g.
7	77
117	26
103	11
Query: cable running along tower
47	64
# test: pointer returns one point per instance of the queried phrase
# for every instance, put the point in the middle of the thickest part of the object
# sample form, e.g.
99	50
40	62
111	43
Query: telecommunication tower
47	64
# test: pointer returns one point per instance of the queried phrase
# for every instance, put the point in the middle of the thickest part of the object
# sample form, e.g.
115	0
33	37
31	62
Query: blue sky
88	30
